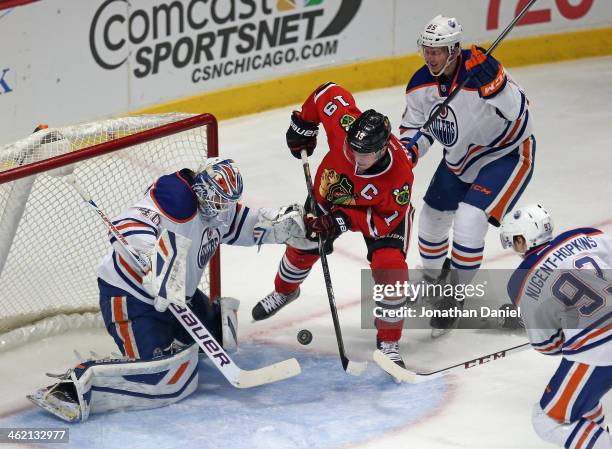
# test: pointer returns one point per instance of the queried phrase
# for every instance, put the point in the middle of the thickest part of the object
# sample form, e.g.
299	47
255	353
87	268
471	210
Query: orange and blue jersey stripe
598	333
503	143
133	226
551	346
129	275
123	326
515	184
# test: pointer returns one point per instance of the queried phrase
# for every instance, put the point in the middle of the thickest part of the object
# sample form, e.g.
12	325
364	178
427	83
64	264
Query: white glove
284	225
149	285
148	280
161	304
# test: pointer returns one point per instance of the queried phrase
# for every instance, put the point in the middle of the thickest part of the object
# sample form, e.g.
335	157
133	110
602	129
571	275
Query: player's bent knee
470	213
471	224
388	258
433	223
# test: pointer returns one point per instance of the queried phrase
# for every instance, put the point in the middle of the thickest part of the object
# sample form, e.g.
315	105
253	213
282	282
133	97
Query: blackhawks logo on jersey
401	195
336	188
346	121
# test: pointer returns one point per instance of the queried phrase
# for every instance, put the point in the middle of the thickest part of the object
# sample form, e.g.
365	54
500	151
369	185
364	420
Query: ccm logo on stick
485	359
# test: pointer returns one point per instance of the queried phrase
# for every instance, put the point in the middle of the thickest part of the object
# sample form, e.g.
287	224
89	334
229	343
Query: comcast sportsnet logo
217	38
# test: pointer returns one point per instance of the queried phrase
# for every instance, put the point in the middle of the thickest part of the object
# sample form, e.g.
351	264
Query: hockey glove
161	304
328	226
301	135
487	73
149	282
150	285
413	151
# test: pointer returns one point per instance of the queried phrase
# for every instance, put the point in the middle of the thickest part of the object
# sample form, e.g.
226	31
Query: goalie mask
218	186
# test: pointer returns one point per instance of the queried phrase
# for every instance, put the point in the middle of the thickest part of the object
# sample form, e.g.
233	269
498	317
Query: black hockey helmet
369	133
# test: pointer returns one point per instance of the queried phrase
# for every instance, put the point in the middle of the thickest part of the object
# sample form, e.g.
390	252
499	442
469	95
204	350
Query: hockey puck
304	337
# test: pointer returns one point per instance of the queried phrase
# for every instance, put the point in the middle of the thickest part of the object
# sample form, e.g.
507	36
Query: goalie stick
354	368
414	377
239	378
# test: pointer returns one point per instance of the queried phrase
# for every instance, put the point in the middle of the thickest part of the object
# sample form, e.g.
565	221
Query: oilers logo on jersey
444	127
208	245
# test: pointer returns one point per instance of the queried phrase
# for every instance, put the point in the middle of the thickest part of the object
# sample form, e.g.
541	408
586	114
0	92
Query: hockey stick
454	93
236	376
354	368
414	377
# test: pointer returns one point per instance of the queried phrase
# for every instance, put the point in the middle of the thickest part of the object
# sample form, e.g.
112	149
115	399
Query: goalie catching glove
328	226
283	225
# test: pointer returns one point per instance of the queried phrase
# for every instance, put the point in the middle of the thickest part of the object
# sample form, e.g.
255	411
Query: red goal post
50	242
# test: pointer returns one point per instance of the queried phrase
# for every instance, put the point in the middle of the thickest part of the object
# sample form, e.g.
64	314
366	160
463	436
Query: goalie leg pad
99	386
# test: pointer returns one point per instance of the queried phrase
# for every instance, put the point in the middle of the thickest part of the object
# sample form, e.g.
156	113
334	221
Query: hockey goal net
50	243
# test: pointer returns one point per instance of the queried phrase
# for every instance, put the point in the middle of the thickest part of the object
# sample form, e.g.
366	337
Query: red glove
328	226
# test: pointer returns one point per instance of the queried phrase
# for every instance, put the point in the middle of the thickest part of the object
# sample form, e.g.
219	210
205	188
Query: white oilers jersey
170	204
472	130
564	292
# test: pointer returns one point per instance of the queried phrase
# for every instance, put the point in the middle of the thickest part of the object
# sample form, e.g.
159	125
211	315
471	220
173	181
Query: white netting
51	243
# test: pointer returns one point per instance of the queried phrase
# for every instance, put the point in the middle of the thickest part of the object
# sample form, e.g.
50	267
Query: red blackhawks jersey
376	203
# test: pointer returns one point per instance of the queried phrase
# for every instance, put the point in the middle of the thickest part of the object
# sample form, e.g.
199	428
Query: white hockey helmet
532	222
441	31
217	186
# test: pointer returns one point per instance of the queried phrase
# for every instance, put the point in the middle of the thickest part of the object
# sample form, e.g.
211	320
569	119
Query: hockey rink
487	407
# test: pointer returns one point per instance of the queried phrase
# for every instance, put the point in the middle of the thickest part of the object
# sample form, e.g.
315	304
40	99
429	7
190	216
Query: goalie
159	363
